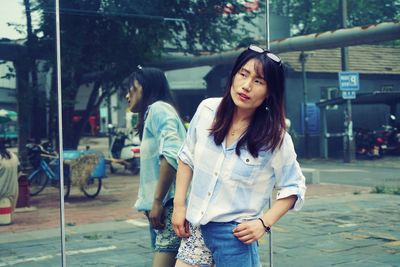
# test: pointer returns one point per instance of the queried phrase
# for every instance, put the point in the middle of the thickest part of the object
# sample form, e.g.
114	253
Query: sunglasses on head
261	50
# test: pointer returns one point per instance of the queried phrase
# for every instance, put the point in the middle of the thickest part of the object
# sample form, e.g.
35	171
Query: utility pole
303	59
267	37
348	141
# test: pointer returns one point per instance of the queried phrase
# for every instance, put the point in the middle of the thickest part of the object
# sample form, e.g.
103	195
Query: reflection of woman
235	153
162	133
8	175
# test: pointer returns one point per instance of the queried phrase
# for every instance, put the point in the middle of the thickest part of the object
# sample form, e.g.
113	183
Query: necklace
238	130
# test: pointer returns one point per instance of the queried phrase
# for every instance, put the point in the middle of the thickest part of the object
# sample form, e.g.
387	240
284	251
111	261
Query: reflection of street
113	203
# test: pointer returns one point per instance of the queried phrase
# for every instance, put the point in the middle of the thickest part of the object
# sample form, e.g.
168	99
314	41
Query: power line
81	12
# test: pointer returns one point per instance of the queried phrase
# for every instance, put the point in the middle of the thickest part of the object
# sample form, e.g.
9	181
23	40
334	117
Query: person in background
161	133
93	125
8	175
236	152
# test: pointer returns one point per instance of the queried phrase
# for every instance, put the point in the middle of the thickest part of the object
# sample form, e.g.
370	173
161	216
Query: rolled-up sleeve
186	152
289	178
170	132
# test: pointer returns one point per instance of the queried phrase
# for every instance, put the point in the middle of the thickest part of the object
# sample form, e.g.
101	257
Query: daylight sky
11	11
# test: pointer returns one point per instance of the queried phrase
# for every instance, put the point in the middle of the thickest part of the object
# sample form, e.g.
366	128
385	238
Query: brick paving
114	203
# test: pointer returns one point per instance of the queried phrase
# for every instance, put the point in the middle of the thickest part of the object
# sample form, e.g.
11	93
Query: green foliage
104	40
119	34
313	16
383	189
379	189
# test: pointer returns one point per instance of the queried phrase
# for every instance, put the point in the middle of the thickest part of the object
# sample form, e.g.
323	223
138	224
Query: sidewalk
385	162
338	230
340	225
114	203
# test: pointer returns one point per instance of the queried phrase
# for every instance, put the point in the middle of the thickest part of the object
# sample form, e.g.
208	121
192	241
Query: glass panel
102	43
30	233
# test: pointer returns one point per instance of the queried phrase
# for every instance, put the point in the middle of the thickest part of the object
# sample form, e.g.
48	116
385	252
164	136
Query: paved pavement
341	224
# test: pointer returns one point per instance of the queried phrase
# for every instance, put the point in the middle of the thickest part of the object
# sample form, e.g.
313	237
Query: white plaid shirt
227	187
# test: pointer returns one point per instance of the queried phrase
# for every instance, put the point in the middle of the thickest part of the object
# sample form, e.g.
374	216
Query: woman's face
134	96
249	89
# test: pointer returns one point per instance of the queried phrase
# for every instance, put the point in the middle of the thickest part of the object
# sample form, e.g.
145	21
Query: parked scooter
368	144
391	137
124	151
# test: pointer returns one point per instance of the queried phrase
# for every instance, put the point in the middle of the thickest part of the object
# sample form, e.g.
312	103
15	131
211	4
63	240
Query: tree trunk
38	117
23	110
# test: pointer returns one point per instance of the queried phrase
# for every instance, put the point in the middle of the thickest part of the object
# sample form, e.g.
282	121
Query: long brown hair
267	126
155	88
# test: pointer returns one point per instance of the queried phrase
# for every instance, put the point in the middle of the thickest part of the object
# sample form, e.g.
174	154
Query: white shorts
193	250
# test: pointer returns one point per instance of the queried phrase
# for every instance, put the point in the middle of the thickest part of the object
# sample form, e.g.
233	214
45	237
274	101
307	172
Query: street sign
349	94
349	81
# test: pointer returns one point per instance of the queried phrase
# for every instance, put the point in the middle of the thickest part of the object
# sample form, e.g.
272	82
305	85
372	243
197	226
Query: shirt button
202	213
216	173
247	160
209	193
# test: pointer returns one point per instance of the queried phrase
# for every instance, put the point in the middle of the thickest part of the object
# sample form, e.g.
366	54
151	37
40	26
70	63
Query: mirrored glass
102	43
29	195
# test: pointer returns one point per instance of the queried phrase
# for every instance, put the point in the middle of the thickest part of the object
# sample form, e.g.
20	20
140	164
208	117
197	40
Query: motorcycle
391	137
368	144
124	151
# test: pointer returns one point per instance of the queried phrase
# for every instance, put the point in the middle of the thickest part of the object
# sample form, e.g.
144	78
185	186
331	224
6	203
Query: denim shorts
165	240
226	249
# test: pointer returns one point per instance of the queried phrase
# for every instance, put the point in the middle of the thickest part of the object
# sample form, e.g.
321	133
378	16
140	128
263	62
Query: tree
313	16
103	40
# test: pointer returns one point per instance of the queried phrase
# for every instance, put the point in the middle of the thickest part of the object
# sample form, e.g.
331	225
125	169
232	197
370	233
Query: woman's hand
156	215
179	222
249	231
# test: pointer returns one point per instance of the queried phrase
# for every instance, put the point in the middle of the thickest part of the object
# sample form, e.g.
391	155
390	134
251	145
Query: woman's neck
242	116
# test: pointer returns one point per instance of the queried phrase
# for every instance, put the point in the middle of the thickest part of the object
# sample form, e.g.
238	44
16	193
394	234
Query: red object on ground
5	211
23	194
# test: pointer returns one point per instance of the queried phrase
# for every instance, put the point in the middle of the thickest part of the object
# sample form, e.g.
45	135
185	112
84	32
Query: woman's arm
167	177
183	179
251	231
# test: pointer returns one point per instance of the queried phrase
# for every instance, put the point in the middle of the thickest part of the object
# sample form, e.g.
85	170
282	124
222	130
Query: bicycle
44	170
49	171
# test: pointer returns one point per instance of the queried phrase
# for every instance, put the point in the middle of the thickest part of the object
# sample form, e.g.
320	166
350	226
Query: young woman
235	153
162	133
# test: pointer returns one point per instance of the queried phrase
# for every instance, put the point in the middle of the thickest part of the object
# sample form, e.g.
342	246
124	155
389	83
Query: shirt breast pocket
246	169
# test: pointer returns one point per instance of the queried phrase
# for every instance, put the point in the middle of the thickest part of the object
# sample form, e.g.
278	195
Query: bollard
5	211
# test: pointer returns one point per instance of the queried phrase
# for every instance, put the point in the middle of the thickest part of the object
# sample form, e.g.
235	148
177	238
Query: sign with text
349	81
349	94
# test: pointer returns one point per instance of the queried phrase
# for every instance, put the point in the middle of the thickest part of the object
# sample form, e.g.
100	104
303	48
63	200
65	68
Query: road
361	173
